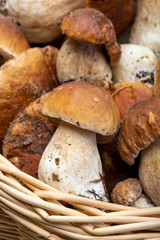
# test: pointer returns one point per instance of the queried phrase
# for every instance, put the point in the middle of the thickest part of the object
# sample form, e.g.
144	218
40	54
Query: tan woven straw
32	210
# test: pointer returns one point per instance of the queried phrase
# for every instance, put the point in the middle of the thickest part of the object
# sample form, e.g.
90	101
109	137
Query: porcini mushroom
40	20
140	127
127	191
71	161
137	63
12	41
81	61
91	25
23	79
126	94
149	171
27	137
146	27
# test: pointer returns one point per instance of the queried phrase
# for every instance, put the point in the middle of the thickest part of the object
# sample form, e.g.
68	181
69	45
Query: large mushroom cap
84	105
91	25
23	79
12	41
140	127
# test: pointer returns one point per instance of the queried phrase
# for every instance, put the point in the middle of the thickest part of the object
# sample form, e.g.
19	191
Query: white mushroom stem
82	61
71	162
146	27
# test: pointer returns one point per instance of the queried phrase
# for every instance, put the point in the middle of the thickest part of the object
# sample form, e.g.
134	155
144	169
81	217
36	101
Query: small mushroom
27	137
149	171
12	41
92	26
120	12
80	61
23	79
140	127
126	191
40	20
71	161
146	27
137	63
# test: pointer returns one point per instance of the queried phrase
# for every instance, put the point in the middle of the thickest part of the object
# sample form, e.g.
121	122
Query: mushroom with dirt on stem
87	30
71	161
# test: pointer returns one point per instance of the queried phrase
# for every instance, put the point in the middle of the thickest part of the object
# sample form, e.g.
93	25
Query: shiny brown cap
22	80
140	127
91	25
126	94
12	41
84	105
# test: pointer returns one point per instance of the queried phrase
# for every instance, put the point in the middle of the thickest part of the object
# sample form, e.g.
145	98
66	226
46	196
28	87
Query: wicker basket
32	210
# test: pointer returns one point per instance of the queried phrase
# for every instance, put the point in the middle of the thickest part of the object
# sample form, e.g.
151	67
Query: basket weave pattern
33	210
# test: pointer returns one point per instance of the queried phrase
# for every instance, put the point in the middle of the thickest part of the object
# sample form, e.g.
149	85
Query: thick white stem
71	162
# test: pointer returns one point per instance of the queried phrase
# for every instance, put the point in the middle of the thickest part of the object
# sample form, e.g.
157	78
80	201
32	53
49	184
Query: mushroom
126	94
92	26
80	61
27	137
149	171
140	127
71	161
12	41
40	20
146	27
120	12
127	191
137	63
23	79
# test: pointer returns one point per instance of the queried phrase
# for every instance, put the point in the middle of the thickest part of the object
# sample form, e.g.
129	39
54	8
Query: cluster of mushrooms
80	110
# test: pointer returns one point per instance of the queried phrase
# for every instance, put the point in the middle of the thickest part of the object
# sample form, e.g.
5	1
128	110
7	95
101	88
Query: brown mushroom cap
126	94
120	12
27	137
12	41
91	25
84	105
140	127
126	191
22	80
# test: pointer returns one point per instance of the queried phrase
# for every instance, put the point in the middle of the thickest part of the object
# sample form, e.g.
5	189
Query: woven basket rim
51	214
